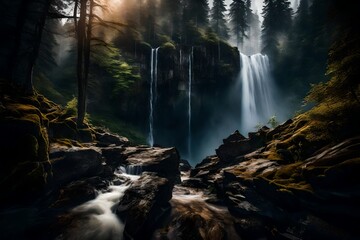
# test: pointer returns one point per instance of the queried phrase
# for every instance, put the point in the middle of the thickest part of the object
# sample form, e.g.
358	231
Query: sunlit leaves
110	59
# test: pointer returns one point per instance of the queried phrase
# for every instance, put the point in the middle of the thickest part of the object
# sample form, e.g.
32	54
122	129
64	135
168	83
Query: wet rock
236	145
184	166
235	137
107	139
71	164
274	133
163	161
211	163
74	194
114	156
251	227
196	183
143	205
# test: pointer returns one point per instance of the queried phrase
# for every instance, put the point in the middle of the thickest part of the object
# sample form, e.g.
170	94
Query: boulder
143	205
234	137
74	194
184	166
71	164
107	139
163	161
114	156
231	150
237	145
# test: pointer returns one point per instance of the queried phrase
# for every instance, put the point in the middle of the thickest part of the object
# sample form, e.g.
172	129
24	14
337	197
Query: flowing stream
98	219
153	93
257	105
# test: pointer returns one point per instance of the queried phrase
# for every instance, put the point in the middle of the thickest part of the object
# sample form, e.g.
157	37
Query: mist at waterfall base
248	102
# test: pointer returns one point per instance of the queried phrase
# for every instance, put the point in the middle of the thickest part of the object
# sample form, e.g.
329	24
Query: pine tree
238	20
277	23
301	21
196	11
252	42
218	22
171	10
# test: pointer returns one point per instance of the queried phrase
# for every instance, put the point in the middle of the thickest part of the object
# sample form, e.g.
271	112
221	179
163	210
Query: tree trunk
23	22
81	37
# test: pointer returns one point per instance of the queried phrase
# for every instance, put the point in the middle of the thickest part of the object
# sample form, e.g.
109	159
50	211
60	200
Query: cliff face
214	68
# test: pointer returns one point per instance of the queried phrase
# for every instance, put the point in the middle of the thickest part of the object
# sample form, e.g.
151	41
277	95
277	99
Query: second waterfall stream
153	93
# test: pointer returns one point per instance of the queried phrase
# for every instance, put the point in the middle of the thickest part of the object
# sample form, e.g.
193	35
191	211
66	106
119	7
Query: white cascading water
98	219
153	93
257	91
191	57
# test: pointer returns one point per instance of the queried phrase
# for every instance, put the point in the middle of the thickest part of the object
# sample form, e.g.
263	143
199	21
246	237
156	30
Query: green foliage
125	77
168	46
46	87
303	59
118	126
273	122
343	67
210	36
71	107
121	72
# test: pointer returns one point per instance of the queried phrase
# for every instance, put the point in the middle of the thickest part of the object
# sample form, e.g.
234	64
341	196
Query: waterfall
257	91
153	93
133	169
191	56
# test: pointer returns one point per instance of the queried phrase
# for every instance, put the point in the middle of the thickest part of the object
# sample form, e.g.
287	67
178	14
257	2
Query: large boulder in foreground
143	205
73	163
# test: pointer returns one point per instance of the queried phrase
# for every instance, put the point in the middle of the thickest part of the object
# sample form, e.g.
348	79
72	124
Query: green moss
118	126
168	46
67	142
287	171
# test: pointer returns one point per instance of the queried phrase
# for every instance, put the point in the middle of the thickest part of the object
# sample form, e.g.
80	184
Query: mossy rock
26	180
23	138
86	135
24	146
63	129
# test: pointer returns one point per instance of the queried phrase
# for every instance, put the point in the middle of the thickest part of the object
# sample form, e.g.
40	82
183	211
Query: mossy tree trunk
22	25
